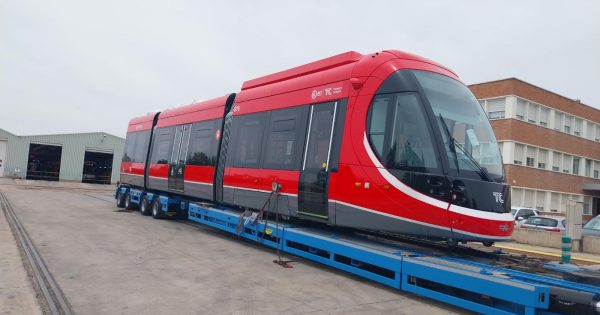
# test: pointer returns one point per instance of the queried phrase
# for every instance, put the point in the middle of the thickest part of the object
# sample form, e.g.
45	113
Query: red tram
388	141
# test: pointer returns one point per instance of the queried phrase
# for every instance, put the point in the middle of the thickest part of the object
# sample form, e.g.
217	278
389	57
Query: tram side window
128	151
136	146
249	138
141	146
400	134
283	133
202	144
163	145
377	123
412	144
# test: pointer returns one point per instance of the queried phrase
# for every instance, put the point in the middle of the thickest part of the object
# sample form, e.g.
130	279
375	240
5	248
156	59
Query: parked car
522	214
554	224
592	227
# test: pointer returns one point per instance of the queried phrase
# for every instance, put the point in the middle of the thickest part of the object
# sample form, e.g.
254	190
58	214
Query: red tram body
388	141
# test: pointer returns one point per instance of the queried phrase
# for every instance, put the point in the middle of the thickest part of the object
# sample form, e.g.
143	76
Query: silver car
521	214
592	227
553	224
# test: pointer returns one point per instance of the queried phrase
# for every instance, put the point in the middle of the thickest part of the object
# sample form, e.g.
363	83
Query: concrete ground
17	295
114	262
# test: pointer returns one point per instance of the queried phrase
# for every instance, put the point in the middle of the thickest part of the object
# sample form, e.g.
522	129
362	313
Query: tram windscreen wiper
481	171
451	141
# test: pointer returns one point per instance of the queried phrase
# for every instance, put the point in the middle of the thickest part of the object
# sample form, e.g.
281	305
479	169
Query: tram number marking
329	91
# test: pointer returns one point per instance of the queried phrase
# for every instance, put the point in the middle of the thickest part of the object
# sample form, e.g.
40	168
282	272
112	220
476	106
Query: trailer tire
144	206
128	204
157	212
120	200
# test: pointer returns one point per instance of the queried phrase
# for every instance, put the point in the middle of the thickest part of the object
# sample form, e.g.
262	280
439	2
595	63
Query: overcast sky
84	66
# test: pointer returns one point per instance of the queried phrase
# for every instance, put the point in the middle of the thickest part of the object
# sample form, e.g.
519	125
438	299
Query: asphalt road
108	261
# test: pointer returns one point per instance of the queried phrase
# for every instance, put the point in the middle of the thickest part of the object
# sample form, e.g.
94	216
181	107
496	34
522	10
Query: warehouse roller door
44	162
97	167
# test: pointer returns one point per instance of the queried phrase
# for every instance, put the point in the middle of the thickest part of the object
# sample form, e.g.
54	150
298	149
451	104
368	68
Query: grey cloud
77	66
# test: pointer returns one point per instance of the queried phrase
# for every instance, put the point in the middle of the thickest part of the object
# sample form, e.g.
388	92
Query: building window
589	130
542	157
567	163
568	120
532	111
521	109
518	154
496	108
558	120
517	197
544	116
554	202
556	160
575	166
530	158
496	115
577	127
588	167
563	202
530	161
540	200
587	205
529	199
596	174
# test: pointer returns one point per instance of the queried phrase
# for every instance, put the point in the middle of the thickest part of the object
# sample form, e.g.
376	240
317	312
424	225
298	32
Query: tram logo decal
498	197
503	227
328	91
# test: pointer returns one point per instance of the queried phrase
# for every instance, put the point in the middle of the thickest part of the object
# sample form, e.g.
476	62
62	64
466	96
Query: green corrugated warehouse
80	157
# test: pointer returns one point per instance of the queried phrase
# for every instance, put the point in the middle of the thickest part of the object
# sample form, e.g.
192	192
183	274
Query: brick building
550	144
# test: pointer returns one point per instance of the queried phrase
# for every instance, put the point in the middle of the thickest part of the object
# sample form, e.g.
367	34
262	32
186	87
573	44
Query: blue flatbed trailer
461	282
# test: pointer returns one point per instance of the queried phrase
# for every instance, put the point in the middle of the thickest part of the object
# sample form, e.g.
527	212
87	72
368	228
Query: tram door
314	174
178	157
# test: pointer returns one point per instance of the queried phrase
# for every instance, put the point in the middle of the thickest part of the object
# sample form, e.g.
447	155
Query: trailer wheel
128	202
488	243
120	200
157	212
144	206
